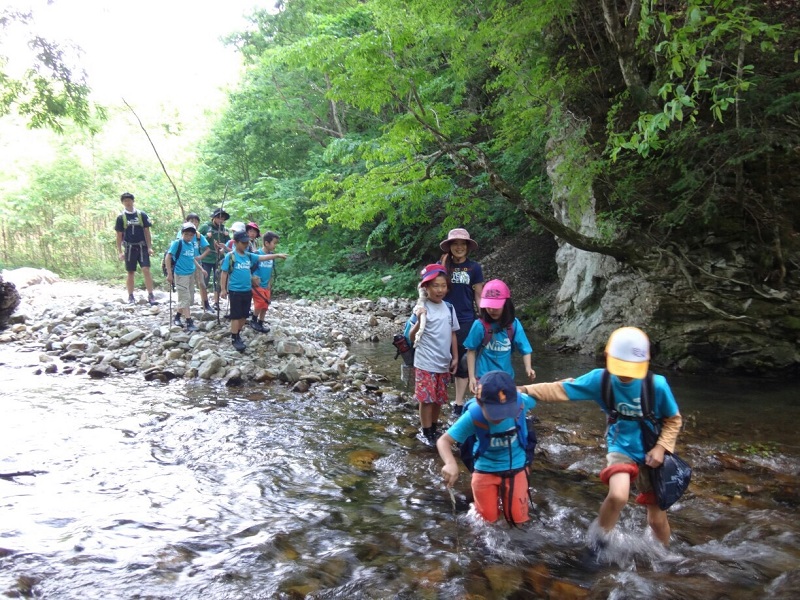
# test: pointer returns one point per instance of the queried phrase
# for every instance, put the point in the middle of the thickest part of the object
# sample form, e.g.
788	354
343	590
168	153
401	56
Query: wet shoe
255	326
264	327
426	440
238	343
458	410
190	326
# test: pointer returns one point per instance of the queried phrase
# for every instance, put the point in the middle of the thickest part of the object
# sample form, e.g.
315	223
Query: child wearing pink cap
436	351
495	335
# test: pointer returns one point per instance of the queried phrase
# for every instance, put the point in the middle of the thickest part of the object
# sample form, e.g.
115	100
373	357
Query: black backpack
174	259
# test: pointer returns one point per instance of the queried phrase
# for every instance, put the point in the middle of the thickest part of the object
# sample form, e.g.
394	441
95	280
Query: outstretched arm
546	392
450	468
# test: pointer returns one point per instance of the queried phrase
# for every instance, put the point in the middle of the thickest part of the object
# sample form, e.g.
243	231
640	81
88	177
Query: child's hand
453	365
418	310
473	385
655	457
450	473
531	374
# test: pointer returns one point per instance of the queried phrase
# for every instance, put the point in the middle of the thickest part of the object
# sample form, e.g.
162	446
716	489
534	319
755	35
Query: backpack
526	436
488	332
139	222
402	341
174	259
647	400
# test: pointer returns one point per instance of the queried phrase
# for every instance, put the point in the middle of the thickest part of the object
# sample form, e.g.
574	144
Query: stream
134	489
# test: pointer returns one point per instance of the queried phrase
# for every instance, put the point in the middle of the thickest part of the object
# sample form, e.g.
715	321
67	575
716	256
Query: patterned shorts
430	388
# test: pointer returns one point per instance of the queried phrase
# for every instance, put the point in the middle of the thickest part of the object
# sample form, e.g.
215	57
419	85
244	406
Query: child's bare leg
657	519
619	488
426	414
461	389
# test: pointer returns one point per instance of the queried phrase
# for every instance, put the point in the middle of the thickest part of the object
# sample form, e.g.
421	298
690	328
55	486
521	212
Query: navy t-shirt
461	294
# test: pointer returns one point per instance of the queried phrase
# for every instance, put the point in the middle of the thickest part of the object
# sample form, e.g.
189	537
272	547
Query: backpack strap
488	332
647	399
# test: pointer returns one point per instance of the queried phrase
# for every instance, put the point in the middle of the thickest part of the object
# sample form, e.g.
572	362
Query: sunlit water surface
187	490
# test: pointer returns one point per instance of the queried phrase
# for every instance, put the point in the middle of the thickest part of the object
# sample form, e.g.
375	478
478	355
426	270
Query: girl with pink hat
466	282
495	335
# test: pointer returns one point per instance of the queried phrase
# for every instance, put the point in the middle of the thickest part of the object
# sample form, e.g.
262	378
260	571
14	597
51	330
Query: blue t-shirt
495	458
185	263
239	275
496	355
200	242
461	294
624	436
264	270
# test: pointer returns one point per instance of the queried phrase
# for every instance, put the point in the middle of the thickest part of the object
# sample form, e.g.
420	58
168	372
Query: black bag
670	480
404	349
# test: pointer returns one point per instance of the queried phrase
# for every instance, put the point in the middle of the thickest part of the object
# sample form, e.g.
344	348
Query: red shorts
261	298
430	388
486	492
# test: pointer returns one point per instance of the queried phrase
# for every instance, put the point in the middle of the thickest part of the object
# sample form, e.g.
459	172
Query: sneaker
131	299
238	343
177	321
190	326
264	327
255	325
209	309
152	300
458	410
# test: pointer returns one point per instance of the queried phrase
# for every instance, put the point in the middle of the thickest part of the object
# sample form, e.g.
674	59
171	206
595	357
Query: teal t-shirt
187	251
240	272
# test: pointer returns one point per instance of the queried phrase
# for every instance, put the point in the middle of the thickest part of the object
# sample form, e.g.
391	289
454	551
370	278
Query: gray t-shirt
433	347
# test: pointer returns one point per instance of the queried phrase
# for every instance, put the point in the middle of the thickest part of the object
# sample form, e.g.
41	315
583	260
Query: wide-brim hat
458	234
220	213
628	353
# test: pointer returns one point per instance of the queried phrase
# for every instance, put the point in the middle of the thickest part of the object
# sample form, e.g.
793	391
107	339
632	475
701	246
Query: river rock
210	366
99	371
131	336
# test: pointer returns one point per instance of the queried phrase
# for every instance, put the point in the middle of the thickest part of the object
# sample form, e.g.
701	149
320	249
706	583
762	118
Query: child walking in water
436	352
495	335
627	361
466	281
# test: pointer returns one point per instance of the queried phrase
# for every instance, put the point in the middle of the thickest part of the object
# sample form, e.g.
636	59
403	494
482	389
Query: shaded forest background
362	131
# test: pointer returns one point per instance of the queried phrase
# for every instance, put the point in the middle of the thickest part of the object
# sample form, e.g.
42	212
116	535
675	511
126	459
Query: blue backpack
526	436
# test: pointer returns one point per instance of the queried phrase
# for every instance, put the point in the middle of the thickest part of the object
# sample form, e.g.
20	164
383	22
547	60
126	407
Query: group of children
493	422
241	271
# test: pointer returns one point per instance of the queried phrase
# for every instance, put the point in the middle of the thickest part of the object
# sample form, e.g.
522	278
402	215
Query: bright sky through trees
147	51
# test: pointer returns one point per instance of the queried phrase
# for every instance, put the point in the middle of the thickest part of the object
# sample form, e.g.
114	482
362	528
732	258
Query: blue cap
241	236
498	396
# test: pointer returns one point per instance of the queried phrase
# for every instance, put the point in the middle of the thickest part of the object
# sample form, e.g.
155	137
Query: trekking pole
455	519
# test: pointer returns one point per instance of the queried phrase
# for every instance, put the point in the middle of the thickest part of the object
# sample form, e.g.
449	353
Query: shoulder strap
481	429
450	310
607	395
648	398
488	332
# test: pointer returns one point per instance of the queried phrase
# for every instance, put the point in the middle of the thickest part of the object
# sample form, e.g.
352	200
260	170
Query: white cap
188	225
628	353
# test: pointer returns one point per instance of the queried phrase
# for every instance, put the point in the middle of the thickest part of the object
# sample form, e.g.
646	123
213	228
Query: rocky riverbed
87	329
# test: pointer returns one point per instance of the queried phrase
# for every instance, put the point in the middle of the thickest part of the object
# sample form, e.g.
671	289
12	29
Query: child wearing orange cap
627	361
436	353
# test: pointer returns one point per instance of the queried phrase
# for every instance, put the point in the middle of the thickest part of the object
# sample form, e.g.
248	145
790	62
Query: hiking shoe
238	343
177	321
190	326
152	300
458	410
209	309
264	327
131	299
255	326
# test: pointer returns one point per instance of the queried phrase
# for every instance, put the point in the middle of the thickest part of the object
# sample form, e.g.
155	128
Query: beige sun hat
458	234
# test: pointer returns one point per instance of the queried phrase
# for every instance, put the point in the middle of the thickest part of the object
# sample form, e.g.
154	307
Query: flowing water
143	490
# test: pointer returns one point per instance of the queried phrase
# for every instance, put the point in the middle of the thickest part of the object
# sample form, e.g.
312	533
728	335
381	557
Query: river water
187	490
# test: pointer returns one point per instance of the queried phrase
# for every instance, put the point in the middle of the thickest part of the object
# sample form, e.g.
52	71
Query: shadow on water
194	491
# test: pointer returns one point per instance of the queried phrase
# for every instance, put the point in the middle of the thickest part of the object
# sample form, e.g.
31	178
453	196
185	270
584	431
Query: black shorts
240	304
136	255
209	268
461	335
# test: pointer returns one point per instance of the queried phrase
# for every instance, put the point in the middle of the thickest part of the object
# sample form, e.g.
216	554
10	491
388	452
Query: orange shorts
261	298
487	490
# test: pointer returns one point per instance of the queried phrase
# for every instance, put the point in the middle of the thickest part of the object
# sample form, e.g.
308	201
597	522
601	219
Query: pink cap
494	294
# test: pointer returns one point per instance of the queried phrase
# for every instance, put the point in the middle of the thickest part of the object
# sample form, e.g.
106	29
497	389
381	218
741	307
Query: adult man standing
134	245
217	236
